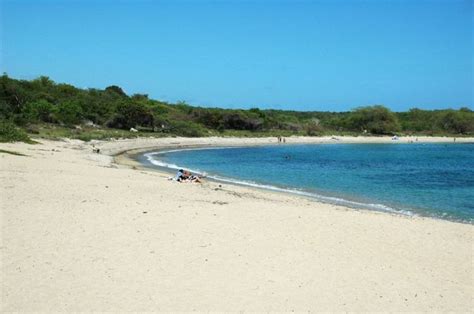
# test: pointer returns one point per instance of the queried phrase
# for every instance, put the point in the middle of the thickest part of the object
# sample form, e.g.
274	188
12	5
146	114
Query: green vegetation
9	132
47	109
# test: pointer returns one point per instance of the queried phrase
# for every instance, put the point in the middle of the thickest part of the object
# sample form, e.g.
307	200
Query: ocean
432	180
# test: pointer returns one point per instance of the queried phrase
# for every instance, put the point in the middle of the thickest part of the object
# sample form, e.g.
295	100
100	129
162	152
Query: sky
297	55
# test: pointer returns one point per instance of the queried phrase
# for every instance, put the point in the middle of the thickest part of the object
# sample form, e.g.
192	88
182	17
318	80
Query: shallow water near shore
433	180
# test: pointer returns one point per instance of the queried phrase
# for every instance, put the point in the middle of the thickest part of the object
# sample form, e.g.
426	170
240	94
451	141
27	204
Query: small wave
319	197
159	163
163	164
150	158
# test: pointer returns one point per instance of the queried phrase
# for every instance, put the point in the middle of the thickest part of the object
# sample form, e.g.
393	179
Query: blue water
435	180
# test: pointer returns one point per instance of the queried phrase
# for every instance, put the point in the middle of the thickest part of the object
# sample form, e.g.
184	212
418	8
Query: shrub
461	122
116	89
375	119
10	133
69	113
187	128
40	110
239	121
313	127
130	115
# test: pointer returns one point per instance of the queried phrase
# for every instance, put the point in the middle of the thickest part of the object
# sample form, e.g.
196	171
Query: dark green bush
69	113
241	121
461	122
186	128
39	111
131	114
9	132
374	119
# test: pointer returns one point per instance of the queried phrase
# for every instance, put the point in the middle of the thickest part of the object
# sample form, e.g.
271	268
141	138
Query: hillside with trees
43	107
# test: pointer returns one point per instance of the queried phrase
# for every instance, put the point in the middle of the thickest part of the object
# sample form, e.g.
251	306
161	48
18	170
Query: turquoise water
435	180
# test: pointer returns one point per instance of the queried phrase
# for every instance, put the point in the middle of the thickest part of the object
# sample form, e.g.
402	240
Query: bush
187	128
69	113
116	89
461	122
374	119
10	133
313	127
131	115
40	110
239	121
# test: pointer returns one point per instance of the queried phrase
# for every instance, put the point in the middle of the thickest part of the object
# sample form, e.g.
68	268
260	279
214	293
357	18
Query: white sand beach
86	232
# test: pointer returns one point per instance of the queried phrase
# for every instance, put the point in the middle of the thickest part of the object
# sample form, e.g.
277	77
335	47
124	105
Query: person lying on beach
195	179
186	176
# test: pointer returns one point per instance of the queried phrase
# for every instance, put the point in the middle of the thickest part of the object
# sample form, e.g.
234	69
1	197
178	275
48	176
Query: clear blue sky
300	55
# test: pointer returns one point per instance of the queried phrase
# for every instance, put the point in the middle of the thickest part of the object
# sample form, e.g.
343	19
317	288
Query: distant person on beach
186	176
192	178
179	175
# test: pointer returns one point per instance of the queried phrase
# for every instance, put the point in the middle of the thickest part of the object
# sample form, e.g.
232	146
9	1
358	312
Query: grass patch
51	131
283	133
4	151
54	132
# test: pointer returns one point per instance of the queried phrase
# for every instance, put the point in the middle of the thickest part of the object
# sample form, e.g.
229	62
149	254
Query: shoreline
130	158
115	147
124	149
81	232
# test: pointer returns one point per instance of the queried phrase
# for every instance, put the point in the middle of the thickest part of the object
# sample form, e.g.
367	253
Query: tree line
42	101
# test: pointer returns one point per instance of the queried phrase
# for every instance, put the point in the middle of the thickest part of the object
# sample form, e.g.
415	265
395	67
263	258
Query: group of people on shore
281	139
184	176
